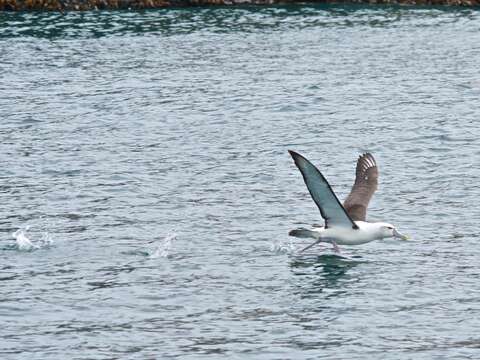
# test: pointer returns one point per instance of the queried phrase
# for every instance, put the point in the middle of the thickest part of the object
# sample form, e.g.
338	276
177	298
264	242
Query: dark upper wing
330	208
366	181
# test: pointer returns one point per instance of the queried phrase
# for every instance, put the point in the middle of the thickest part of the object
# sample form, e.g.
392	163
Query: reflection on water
217	20
316	274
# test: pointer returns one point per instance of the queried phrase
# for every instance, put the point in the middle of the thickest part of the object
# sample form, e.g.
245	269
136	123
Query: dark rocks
63	5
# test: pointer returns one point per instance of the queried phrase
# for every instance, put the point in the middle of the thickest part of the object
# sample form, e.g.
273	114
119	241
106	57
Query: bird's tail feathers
303	233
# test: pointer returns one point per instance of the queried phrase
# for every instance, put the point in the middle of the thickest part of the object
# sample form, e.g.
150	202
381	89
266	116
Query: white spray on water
282	247
164	246
23	240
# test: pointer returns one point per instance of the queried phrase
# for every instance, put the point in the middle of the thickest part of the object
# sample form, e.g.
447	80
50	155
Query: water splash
23	240
280	247
164	246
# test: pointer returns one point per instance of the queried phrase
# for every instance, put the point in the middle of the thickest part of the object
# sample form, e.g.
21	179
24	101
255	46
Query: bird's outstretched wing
330	208
366	181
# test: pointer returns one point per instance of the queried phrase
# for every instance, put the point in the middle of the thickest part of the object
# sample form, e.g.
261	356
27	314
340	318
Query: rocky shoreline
79	5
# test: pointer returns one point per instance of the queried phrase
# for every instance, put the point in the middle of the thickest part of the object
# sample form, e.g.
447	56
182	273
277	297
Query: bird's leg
309	246
335	247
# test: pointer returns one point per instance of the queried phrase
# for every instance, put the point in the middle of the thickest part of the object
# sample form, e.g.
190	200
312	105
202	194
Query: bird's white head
386	230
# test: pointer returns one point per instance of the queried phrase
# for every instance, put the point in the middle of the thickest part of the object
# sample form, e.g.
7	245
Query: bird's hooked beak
399	235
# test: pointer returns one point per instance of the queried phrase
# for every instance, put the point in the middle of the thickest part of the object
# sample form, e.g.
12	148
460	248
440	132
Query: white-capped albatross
344	225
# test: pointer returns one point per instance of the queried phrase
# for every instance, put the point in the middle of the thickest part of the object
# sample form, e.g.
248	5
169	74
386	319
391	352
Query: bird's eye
390	227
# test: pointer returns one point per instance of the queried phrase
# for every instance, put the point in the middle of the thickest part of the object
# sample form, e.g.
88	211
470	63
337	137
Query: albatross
344	225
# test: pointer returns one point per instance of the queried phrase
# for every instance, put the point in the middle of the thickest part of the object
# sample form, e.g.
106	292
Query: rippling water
144	158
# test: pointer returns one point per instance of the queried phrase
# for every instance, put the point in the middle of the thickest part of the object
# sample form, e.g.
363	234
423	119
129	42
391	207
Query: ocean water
147	193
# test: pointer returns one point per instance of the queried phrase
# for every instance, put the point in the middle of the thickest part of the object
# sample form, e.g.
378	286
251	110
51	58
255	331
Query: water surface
144	155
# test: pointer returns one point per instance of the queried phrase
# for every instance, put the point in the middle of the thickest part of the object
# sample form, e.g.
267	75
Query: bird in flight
344	225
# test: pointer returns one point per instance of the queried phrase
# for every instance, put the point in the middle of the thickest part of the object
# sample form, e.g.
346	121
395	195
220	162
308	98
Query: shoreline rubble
85	5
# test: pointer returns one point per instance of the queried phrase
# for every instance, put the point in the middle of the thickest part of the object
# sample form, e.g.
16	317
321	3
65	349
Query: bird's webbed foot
335	247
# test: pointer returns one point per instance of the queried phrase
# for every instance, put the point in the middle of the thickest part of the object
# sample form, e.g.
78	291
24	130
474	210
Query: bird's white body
365	233
344	224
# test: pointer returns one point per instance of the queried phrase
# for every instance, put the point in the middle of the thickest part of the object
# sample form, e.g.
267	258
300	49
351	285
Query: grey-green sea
147	193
